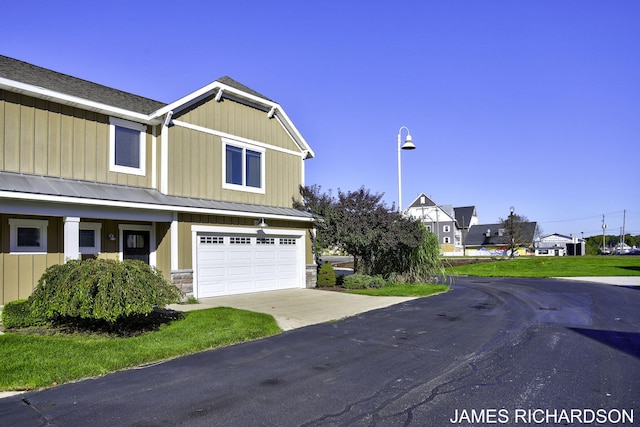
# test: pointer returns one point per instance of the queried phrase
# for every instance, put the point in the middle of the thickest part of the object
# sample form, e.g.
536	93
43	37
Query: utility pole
624	219
604	227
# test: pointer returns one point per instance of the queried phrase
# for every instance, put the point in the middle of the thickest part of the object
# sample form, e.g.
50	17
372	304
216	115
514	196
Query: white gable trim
235	138
74	101
199	94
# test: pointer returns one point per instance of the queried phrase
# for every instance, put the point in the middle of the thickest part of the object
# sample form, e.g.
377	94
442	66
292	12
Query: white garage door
230	264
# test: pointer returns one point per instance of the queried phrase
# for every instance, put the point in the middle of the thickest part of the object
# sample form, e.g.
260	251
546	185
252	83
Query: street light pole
408	145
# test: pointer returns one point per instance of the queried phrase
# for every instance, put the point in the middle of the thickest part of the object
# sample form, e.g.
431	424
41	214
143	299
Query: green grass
37	361
402	290
553	267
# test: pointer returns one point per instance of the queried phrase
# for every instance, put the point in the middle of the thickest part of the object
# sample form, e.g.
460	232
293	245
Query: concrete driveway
296	308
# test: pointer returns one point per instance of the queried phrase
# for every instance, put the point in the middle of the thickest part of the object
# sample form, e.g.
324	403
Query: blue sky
531	103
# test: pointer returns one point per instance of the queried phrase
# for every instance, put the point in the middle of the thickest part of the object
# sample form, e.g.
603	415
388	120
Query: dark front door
135	245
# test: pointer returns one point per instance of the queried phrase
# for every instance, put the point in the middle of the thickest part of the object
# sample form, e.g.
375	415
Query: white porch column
174	242
71	237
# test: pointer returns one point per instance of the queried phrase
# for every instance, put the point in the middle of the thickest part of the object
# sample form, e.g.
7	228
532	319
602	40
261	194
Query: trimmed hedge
363	281
326	275
17	314
101	290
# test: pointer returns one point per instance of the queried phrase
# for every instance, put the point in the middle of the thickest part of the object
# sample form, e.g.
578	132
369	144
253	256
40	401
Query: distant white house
560	245
449	224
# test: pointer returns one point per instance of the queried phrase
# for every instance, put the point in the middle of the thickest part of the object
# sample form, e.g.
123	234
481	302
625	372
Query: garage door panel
239	255
265	255
228	264
240	270
266	269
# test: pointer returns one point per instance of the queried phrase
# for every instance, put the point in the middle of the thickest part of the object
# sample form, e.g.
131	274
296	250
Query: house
495	240
466	216
200	188
559	245
449	224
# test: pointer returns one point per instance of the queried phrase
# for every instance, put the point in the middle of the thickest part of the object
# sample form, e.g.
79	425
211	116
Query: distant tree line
594	243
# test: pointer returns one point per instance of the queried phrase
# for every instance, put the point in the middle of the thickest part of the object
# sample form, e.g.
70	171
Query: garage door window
287	241
240	240
211	240
265	241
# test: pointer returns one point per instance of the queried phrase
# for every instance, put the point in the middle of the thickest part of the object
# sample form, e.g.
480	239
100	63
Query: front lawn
553	267
37	361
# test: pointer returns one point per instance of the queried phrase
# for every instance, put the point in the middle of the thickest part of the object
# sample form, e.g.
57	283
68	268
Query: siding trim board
74	101
151	208
237	138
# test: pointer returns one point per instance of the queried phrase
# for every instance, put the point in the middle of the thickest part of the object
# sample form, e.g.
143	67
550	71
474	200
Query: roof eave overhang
146	206
74	101
271	108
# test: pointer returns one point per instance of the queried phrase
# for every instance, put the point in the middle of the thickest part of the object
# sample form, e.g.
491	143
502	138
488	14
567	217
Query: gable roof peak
237	85
422	200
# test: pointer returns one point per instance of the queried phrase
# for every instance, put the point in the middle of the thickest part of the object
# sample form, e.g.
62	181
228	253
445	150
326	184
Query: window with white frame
446	240
89	237
28	235
243	167
446	229
127	146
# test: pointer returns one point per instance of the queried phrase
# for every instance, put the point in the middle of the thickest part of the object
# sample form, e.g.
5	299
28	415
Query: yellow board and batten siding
196	157
46	138
20	273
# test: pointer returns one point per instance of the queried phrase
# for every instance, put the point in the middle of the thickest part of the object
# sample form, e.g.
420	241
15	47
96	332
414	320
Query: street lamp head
512	210
408	143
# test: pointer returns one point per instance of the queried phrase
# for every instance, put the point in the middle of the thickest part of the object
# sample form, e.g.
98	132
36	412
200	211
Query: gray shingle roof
477	235
463	215
153	199
24	72
237	85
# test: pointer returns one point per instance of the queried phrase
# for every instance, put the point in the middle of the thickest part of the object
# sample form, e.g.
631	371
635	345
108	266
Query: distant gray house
495	240
449	224
466	216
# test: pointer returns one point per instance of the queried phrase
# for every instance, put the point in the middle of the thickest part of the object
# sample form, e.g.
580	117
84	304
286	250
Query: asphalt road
491	351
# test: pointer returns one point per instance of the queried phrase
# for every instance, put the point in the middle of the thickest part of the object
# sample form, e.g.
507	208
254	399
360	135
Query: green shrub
326	275
363	281
101	289
17	314
377	282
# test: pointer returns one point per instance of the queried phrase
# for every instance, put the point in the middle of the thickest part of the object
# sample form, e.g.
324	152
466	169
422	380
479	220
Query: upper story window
446	228
28	235
243	167
127	146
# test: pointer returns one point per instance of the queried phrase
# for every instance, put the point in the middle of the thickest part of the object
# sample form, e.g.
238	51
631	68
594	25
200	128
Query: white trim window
446	229
446	240
89	238
243	166
28	235
127	148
